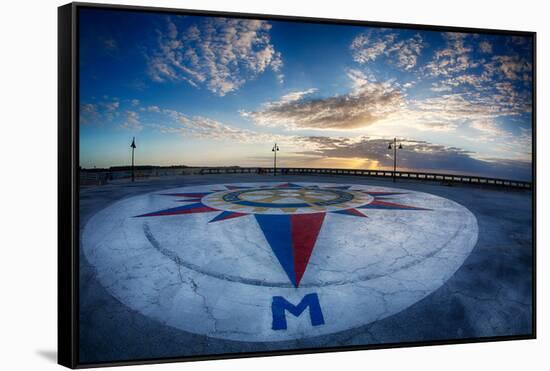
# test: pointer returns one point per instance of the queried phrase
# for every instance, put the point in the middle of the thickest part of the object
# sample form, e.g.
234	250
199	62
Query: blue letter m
280	305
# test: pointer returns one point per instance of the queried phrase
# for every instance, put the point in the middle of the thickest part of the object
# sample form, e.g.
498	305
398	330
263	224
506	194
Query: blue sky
217	91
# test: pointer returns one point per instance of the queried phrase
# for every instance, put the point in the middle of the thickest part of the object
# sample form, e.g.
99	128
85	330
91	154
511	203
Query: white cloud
367	103
510	145
454	58
88	109
206	128
132	121
512	67
447	84
99	112
366	48
110	44
418	155
152	109
485	47
488	127
296	95
401	53
111	106
477	89
452	111
220	53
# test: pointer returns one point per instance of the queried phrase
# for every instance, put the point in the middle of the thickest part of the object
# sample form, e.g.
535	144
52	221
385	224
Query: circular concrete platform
273	261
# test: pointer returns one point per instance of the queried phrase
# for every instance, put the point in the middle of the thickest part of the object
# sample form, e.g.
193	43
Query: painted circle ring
219	260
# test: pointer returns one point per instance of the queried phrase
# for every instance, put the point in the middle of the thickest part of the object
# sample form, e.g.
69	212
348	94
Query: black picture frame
68	182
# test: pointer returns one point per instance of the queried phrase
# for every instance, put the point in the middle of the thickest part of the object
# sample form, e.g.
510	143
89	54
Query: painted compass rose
271	261
290	215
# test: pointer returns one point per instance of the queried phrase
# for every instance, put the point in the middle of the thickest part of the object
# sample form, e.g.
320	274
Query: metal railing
104	177
437	177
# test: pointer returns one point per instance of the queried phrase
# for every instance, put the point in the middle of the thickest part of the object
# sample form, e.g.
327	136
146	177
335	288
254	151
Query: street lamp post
133	146
275	149
393	145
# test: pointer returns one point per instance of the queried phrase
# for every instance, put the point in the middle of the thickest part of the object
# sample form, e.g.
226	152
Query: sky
212	91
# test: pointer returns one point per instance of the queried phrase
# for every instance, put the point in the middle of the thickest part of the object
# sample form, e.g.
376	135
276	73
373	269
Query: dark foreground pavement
490	295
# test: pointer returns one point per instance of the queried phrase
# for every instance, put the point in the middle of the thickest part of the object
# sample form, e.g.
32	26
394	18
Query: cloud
107	45
513	145
451	111
219	53
472	94
474	90
110	111
112	106
321	150
420	156
455	66
476	81
88	112
366	48
485	47
377	149
521	41
155	109
296	95
132	121
201	127
99	112
454	58
370	102
402	53
458	108
512	67
110	44
488	127
366	103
